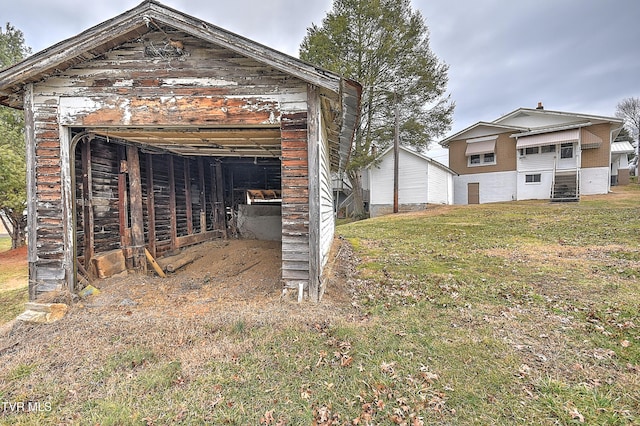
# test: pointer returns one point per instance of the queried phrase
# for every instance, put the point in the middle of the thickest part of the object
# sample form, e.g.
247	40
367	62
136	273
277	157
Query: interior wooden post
87	201
151	211
137	217
172	205
203	198
187	196
123	199
218	200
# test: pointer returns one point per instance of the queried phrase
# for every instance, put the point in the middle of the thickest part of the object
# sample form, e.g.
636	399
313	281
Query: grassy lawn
12	271
5	243
506	314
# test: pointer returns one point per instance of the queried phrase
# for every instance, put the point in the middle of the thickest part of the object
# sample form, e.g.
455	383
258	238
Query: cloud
573	55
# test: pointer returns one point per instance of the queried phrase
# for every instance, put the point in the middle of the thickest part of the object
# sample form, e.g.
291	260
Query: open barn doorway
136	200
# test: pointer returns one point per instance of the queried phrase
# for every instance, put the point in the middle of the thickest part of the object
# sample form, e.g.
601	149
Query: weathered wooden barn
149	130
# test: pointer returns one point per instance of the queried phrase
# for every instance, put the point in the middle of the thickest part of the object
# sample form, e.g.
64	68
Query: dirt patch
13	269
229	279
227	276
18	255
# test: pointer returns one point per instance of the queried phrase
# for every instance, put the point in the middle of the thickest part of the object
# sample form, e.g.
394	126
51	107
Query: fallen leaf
346	361
388	367
267	419
575	415
625	343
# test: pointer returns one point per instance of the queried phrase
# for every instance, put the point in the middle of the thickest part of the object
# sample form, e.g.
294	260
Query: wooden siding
295	200
439	185
598	157
327	217
207	86
47	237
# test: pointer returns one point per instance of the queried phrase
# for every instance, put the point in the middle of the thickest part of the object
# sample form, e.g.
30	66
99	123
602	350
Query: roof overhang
481	127
551	138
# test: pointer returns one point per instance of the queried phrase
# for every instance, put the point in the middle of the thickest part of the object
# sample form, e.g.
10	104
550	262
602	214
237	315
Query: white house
421	181
620	162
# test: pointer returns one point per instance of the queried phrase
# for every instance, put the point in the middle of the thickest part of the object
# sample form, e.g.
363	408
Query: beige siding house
532	154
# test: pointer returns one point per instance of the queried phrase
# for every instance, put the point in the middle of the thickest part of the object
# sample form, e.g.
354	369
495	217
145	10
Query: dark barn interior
132	196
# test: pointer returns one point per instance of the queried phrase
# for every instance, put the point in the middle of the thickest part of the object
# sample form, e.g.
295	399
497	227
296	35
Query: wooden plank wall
206	86
295	200
47	265
101	223
326	207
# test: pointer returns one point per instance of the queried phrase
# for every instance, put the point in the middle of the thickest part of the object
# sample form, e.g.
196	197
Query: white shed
620	162
421	181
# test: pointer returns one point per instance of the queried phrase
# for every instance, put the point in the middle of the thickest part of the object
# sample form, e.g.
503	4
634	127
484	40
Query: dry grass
515	313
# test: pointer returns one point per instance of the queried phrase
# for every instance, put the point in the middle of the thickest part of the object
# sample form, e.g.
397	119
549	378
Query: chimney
539	106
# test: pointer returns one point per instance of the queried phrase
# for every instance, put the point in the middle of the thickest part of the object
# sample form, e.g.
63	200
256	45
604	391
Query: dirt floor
229	279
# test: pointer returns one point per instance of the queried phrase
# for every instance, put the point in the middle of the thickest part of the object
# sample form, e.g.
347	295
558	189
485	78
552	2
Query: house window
531	150
534	178
482	159
566	150
547	148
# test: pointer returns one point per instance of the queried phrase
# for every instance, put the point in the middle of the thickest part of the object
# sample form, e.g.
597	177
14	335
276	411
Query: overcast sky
572	55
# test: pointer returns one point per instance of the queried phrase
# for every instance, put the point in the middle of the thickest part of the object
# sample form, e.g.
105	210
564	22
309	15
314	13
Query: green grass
12	303
5	243
504	314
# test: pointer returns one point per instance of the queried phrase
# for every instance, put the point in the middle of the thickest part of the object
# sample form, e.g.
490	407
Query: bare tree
628	109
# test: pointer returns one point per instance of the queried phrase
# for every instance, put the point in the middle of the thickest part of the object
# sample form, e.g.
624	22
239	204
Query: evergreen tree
13	194
384	45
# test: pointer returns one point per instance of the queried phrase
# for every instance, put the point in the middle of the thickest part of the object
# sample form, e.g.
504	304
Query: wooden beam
189	240
220	222
151	209
187	195
154	264
313	144
203	198
172	204
123	198
87	200
137	217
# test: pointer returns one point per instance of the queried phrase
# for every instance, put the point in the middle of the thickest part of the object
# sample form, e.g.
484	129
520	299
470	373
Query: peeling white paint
123	83
71	107
125	107
197	82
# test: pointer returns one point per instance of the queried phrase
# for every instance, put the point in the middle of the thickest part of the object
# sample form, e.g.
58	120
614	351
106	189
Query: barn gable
145	132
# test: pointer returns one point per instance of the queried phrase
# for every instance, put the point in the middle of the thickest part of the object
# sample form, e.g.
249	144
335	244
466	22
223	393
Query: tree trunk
16	229
17	238
358	198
